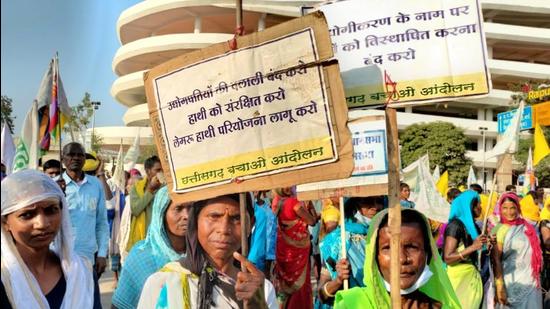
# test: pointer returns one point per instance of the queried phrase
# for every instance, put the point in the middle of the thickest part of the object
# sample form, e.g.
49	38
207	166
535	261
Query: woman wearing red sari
292	268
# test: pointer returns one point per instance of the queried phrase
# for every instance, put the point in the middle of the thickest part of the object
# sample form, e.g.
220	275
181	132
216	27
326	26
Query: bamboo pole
58	107
343	237
394	221
239	13
500	159
244	221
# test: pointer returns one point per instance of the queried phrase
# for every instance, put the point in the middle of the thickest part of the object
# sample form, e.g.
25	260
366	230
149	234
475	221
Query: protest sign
369	176
270	114
425	50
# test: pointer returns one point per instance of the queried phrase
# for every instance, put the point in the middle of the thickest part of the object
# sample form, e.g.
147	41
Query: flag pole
58	107
343	249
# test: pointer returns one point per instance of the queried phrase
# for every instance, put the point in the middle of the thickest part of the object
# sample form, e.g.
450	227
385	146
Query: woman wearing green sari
424	283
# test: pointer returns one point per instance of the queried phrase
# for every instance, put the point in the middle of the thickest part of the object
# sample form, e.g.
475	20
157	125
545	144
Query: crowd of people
61	227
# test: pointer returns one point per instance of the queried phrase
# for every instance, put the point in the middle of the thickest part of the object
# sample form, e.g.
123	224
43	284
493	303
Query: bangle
461	256
326	292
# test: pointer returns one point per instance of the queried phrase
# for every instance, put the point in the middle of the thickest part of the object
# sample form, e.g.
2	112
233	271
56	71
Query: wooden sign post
394	220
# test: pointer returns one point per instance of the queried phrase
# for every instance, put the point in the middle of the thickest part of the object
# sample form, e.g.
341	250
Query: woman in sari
292	268
544	229
461	243
517	258
424	283
358	213
165	242
40	269
208	276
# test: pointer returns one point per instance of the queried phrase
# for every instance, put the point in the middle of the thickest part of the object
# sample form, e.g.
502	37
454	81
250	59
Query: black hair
52	163
453	193
410	216
510	187
353	204
533	194
196	259
195	255
150	162
476	187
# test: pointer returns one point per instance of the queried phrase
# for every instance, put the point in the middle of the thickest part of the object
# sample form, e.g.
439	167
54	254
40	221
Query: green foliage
146	152
542	170
97	142
520	88
7	109
81	115
445	144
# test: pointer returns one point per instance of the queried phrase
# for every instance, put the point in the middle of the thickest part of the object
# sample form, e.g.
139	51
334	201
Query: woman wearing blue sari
357	212
165	242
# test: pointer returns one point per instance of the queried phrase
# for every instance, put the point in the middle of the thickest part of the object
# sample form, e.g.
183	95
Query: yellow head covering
330	213
91	163
529	209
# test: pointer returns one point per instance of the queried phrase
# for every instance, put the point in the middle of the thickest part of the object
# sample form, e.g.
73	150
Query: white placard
255	111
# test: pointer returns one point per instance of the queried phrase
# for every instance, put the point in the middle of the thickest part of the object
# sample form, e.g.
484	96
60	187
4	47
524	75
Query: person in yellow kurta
142	195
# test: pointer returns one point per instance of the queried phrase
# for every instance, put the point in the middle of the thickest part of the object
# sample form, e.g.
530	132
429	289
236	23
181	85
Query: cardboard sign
270	114
370	165
424	50
504	119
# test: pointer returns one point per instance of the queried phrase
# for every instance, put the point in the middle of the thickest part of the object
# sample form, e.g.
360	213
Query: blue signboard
505	118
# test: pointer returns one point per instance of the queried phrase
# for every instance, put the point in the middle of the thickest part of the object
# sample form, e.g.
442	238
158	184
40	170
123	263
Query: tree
97	142
7	109
81	116
445	144
146	152
542	170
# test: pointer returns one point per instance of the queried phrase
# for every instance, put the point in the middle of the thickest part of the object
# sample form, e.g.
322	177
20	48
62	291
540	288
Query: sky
83	32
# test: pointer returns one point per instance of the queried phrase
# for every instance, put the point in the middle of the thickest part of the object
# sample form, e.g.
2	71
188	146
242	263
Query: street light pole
483	129
95	105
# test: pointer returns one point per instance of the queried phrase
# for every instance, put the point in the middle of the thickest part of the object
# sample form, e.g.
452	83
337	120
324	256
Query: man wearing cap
86	200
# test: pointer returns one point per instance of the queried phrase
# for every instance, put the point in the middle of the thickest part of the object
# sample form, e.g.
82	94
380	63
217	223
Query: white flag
8	148
27	150
436	175
410	173
510	138
132	155
424	191
118	175
471	177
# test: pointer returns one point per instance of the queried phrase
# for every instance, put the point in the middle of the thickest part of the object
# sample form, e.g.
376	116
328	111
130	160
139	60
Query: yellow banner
420	90
276	158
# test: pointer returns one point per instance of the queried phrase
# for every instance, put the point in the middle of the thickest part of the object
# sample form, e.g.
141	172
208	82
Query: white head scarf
23	189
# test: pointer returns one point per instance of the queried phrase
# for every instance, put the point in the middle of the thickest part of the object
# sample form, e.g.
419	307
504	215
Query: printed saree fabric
292	255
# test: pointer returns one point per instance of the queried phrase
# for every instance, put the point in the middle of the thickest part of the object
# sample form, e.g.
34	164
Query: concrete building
151	32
